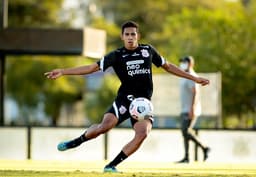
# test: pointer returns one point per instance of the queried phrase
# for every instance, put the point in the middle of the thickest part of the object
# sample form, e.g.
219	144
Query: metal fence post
196	147
105	146
29	142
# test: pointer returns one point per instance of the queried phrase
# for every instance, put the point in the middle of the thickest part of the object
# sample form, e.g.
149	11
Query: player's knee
141	135
103	128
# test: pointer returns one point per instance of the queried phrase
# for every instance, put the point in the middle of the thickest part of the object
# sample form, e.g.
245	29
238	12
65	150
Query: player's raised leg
109	121
142	129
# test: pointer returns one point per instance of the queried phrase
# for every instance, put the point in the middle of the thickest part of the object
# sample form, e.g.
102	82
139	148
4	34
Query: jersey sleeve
106	61
157	59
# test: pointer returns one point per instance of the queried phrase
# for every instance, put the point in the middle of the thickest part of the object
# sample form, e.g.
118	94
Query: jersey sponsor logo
134	62
122	109
135	54
144	53
138	71
134	68
125	55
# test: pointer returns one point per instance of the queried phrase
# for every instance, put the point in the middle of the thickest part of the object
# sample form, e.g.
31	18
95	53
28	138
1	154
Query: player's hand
54	74
202	81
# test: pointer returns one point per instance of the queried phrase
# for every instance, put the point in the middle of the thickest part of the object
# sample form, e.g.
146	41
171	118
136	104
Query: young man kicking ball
133	65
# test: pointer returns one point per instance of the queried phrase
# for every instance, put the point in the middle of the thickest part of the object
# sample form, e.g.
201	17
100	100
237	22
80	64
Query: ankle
83	138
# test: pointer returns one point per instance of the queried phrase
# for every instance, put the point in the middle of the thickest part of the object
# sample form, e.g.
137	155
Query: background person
190	108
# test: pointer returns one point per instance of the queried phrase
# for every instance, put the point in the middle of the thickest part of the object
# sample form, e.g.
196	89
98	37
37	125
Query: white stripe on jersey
163	60
116	110
102	63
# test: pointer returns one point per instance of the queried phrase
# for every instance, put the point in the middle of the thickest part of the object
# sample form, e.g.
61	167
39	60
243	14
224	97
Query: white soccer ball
141	108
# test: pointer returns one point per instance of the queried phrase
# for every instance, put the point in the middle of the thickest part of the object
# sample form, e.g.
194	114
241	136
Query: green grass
97	174
24	168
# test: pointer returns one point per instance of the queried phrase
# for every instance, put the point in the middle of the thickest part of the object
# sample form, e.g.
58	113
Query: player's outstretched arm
178	72
202	81
81	70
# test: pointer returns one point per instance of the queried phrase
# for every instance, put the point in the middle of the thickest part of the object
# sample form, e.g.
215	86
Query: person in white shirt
190	108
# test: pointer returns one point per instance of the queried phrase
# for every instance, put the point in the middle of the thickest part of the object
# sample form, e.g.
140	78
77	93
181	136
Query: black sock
77	141
118	159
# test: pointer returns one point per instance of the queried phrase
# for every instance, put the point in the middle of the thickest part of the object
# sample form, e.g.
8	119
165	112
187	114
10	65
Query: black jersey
134	69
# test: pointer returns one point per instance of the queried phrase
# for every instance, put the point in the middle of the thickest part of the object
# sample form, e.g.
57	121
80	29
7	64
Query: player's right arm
81	70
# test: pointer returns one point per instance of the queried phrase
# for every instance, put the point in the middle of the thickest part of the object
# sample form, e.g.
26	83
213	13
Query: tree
221	41
25	81
97	101
219	34
35	13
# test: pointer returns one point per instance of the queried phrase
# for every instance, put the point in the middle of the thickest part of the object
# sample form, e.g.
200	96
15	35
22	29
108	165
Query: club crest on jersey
144	53
122	109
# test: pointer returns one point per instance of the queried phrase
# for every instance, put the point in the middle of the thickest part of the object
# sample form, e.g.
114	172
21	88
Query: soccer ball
141	108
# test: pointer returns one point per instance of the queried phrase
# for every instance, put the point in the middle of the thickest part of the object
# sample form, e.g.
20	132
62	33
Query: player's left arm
171	68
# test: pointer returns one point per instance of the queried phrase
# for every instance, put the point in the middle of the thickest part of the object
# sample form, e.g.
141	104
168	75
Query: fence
39	143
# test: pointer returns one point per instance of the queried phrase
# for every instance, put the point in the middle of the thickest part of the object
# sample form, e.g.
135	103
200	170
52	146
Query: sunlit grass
129	169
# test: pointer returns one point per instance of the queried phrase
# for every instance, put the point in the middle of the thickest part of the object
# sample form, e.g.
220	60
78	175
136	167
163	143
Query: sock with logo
118	159
77	141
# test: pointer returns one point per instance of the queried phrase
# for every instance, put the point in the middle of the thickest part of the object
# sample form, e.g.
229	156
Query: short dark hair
188	59
130	24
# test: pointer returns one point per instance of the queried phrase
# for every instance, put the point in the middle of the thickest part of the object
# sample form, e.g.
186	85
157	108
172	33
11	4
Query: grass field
33	168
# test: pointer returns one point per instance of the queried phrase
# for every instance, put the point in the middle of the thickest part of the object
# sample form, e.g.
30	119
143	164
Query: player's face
130	37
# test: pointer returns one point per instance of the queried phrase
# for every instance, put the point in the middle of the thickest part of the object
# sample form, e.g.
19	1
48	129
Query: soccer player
133	65
190	108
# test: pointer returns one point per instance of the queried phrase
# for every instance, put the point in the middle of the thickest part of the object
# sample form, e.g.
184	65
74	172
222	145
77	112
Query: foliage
148	15
227	49
112	30
98	101
26	83
36	90
28	86
219	34
34	13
